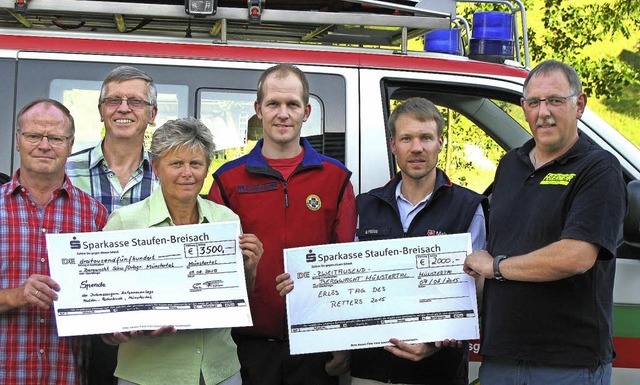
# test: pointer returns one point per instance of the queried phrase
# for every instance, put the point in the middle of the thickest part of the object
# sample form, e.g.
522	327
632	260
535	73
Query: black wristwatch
496	267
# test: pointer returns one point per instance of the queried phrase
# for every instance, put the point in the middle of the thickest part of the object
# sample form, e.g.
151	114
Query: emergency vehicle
206	56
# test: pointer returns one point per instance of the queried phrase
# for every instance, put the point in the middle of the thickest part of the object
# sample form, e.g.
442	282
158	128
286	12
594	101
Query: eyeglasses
556	101
135	104
54	140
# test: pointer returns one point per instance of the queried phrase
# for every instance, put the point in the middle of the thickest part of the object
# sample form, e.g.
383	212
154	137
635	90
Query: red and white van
63	49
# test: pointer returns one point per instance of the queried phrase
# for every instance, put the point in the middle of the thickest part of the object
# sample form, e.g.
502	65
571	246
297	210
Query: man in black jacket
419	201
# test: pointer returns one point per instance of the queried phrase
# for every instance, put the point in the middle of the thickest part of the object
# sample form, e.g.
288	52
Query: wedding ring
35	294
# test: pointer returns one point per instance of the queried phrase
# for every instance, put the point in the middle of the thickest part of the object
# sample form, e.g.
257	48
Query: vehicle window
469	155
81	98
515	111
7	92
231	117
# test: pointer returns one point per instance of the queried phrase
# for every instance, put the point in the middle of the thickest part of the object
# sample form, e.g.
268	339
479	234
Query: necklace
534	161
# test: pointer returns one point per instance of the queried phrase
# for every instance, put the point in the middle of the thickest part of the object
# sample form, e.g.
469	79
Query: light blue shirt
408	211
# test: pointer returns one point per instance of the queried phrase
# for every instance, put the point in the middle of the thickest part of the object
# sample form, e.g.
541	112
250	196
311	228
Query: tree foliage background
564	30
570	28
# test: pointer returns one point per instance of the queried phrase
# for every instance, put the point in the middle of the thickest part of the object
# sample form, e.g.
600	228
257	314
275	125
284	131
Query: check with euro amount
190	276
359	295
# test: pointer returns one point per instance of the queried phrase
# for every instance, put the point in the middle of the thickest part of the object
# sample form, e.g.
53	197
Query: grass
621	111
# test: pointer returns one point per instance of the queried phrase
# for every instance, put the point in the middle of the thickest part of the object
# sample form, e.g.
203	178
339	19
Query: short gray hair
420	109
182	133
550	66
124	73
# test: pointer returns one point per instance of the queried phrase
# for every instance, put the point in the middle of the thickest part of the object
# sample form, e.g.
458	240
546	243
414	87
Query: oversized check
359	295
190	276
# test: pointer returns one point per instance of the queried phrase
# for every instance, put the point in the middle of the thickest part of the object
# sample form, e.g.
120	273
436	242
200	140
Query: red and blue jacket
302	210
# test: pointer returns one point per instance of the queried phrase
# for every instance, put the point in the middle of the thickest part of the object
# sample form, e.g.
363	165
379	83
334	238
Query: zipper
286	194
285	181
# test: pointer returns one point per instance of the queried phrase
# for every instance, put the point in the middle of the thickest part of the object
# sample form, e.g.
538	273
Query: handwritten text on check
190	276
359	295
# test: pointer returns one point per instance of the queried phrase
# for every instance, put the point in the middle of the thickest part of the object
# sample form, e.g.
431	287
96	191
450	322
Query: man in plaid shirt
117	171
39	200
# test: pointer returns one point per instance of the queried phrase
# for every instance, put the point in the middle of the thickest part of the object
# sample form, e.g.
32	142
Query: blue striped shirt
88	170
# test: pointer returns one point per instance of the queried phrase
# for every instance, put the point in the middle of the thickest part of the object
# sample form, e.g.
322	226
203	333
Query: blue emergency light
443	41
492	37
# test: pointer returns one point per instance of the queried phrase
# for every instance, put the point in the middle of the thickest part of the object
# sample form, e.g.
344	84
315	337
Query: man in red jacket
289	195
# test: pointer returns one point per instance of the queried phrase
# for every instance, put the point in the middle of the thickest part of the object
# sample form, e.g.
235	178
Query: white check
191	277
359	295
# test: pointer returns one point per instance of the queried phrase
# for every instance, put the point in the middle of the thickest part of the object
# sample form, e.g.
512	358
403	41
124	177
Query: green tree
570	28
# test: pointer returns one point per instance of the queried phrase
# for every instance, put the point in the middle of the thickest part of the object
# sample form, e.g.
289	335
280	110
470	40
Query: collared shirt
579	195
30	350
177	358
88	170
449	210
408	211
